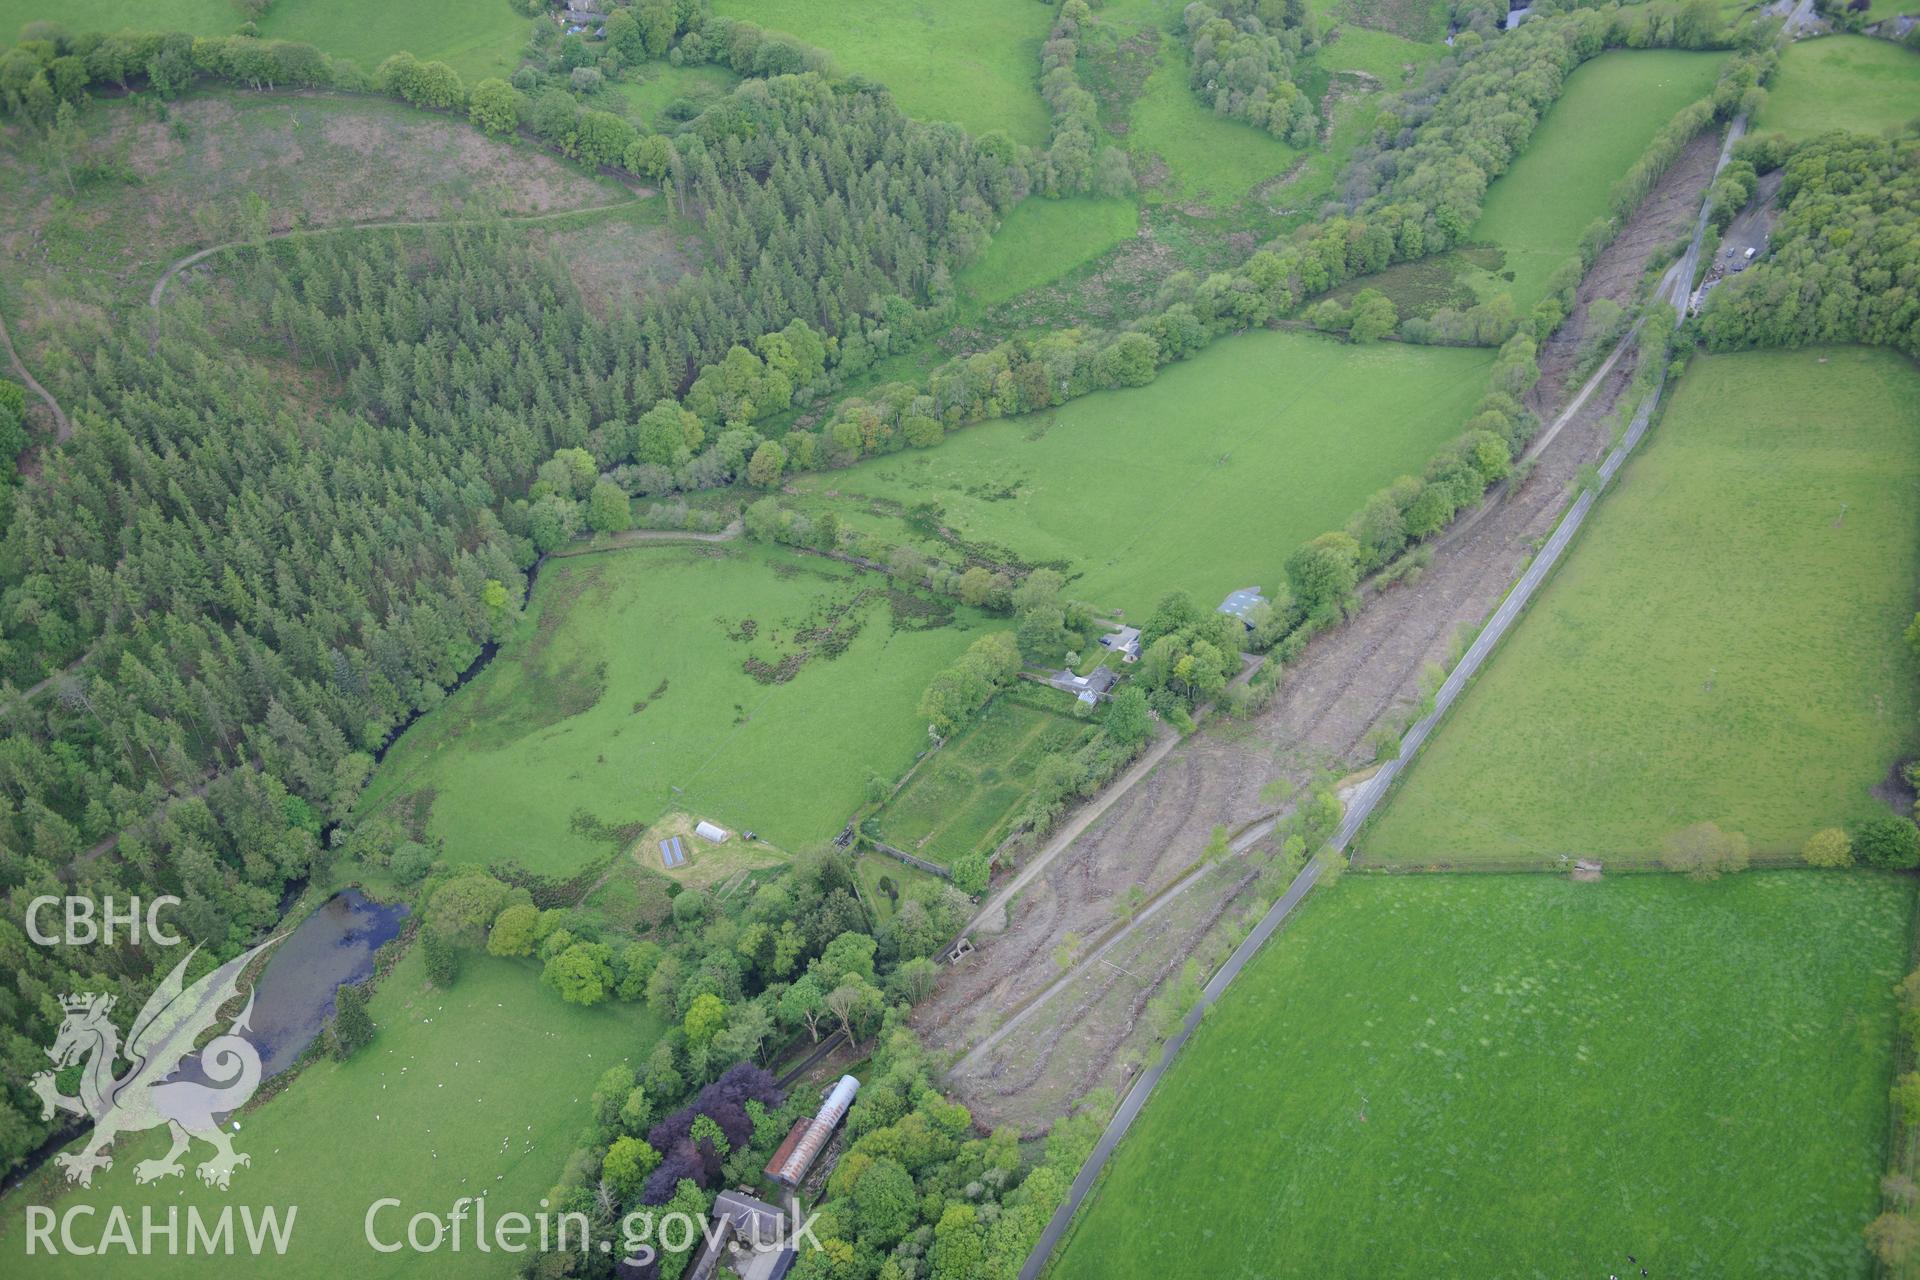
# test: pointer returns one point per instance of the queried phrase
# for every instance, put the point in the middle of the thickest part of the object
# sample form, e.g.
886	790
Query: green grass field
1042	240
1212	160
550	729
1842	82
497	1057
1723	644
1389	58
1204	480
201	17
1523	1076
974	62
963	798
1185	153
476	37
877	872
1611	109
660	84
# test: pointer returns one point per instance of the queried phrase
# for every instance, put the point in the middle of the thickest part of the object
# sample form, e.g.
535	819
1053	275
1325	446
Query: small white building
710	833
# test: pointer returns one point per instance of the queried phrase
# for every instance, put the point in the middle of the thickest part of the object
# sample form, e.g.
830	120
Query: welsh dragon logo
160	1039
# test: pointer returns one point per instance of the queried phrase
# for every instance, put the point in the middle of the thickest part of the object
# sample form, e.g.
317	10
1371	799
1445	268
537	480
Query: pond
294	997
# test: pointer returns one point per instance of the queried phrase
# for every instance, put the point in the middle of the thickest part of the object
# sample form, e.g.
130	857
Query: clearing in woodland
161	188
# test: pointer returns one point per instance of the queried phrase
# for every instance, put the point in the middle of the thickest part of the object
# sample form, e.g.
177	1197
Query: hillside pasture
973	62
1040	241
1613	105
1209	161
479	1090
1205	480
754	688
1842	82
1723	644
1135	60
1392	59
200	17
1209	165
1524	1076
477	38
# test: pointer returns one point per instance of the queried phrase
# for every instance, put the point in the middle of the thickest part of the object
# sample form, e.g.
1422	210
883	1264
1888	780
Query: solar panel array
672	853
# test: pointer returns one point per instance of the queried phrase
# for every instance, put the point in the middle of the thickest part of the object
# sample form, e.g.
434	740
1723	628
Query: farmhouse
1098	682
748	1239
1124	641
1089	688
1242	603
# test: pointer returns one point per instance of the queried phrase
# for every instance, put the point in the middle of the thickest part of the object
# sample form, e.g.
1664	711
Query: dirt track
1093	1031
1665	215
62	425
